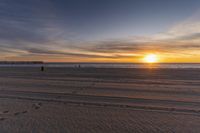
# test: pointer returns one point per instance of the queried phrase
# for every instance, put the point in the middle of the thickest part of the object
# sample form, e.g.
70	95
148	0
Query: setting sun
151	58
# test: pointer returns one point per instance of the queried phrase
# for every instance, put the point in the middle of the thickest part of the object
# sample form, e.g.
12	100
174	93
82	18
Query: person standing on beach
42	68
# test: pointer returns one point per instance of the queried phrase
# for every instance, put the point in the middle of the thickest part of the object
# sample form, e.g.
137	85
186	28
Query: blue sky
92	30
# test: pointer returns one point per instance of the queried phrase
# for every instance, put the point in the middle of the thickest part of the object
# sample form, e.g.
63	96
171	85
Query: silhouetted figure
42	68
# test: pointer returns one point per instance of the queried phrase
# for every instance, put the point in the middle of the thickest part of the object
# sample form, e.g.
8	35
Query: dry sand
90	100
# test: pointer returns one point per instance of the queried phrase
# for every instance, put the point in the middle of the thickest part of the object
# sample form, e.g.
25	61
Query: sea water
106	65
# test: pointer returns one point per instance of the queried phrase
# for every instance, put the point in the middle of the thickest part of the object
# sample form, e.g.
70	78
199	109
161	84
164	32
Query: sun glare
151	58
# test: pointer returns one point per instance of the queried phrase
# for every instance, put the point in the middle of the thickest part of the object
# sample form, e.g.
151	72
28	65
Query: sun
151	58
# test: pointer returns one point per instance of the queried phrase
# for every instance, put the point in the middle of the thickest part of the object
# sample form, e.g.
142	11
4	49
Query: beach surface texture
99	100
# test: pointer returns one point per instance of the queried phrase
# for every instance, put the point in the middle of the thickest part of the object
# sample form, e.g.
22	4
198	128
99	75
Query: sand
90	100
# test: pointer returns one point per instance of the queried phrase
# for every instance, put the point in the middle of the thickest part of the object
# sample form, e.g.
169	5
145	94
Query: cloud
31	32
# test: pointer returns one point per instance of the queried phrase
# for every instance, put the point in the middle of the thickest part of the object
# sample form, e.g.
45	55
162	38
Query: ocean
106	65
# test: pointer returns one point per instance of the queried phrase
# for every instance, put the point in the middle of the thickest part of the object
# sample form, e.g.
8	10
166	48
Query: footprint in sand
24	112
37	105
5	112
17	113
2	119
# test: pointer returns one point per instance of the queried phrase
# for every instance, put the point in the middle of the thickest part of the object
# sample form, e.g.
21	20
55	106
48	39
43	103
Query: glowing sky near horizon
100	30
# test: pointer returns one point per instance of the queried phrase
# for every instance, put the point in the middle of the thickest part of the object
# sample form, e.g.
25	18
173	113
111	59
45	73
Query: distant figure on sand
42	68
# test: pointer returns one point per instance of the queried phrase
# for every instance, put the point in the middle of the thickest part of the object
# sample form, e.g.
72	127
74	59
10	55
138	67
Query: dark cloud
57	53
126	46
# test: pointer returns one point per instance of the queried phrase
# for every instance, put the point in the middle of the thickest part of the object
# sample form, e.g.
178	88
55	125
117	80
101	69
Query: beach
99	100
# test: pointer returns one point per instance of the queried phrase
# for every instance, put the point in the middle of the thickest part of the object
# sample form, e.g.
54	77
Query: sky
99	30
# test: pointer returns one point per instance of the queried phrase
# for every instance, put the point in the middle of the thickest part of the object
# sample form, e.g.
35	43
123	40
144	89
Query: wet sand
89	100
